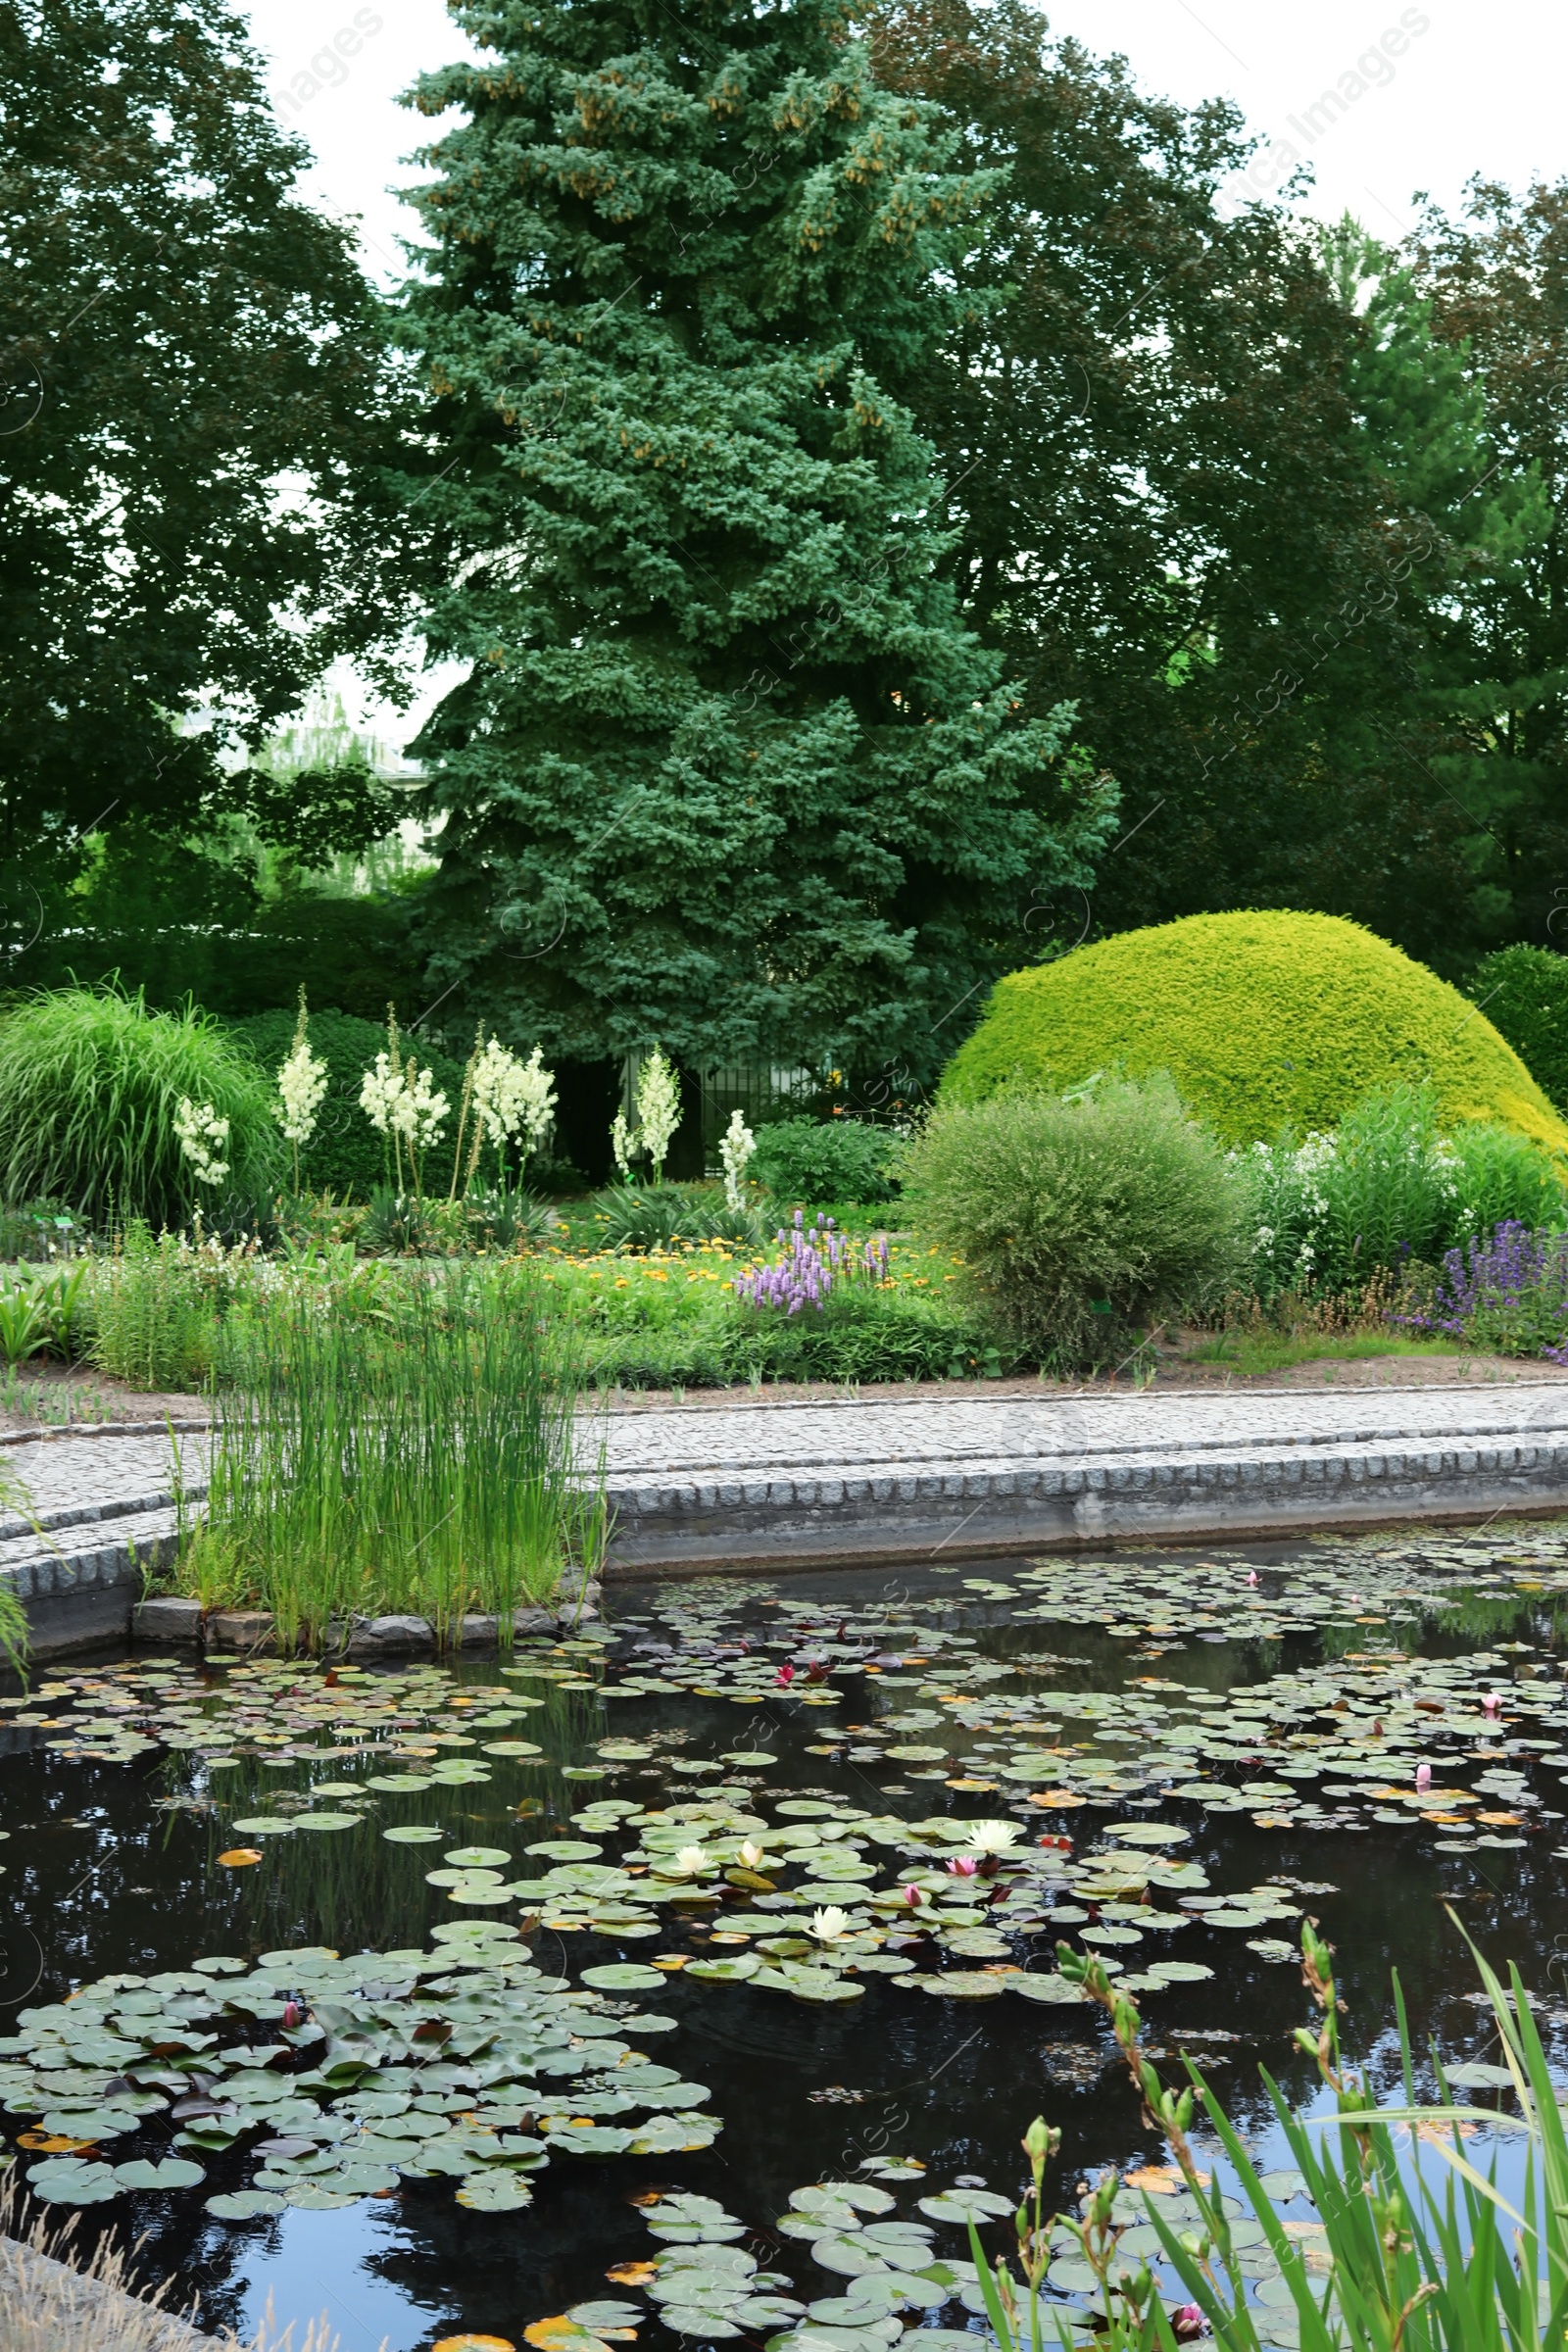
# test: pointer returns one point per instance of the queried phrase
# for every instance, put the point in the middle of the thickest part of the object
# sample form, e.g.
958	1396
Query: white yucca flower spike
202	1134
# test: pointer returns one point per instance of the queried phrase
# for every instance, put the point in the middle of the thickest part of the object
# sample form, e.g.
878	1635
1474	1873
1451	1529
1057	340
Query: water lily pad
1473	2074
413	1833
245	2204
623	1975
497	2191
173	2172
492	1858
327	1821
966	2205
264	1825
393	1783
1146	1833
73	2180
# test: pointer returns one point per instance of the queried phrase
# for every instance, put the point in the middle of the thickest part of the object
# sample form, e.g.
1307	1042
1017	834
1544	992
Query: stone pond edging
770	1484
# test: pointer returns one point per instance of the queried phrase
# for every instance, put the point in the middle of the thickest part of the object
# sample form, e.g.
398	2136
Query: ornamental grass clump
1076	1220
122	1113
415	1459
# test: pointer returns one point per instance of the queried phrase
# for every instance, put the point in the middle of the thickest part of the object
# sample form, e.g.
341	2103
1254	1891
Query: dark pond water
456	2137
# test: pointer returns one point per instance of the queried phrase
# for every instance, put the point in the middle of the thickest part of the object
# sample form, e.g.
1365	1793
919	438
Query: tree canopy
191	518
728	769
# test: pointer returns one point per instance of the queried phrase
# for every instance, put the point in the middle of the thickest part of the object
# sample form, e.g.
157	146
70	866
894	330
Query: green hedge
1263	1020
1523	994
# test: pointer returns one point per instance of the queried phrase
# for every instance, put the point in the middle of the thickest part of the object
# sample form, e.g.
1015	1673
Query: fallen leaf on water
52	2143
633	2274
238	1856
1500	1821
476	2343
1163	2180
1058	1798
561	2334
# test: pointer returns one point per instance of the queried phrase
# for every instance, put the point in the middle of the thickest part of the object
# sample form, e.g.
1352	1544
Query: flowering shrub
1386	1189
1508	1294
816	1259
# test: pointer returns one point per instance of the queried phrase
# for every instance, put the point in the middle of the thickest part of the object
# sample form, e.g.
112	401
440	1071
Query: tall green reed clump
90	1086
416	1457
1413	2256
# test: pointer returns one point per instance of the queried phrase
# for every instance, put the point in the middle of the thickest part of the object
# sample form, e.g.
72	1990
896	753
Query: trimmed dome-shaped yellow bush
1263	1020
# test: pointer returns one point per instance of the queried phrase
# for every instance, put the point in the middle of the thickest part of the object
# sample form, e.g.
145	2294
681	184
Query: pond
469	1998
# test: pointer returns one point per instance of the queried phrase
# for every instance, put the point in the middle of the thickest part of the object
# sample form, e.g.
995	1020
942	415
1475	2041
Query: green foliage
1236	632
727	769
89	1085
153	1318
180	919
1524	995
150	568
408	1450
654	1216
486	1217
1330	1213
660	1336
815	1162
1262	1020
1077	1220
345	1155
1435	2257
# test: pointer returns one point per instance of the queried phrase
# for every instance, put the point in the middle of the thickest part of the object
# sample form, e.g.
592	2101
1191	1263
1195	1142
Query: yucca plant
1413	2263
90	1088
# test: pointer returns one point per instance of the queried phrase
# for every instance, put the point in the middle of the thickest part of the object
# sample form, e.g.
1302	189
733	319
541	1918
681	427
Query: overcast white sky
1478	87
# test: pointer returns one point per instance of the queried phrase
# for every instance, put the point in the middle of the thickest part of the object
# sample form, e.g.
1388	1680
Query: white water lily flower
691	1860
752	1855
994	1837
829	1924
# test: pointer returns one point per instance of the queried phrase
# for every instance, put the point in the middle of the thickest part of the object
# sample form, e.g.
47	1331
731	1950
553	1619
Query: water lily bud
752	1854
1423	1776
293	2015
914	1897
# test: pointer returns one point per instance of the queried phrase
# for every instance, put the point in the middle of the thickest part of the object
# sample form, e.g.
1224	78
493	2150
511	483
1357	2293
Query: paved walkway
769	1482
786	1482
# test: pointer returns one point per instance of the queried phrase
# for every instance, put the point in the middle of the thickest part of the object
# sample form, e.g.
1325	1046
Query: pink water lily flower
962	1866
1423	1776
